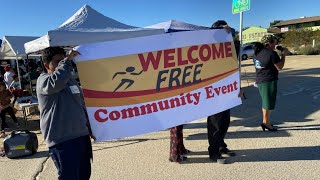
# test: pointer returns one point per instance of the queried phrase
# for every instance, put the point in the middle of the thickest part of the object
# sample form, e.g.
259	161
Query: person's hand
72	54
93	137
240	93
227	28
285	52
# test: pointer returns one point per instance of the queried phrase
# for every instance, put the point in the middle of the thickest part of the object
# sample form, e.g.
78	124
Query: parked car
250	43
247	52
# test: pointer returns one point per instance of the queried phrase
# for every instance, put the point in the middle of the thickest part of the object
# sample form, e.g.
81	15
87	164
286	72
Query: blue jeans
72	158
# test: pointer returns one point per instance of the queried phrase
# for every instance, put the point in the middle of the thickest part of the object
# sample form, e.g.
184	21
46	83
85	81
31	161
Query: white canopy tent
176	26
87	26
12	48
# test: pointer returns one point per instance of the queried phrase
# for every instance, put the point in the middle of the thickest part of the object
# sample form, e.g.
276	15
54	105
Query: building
304	22
253	34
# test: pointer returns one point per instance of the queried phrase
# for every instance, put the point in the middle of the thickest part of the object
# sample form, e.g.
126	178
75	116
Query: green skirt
268	93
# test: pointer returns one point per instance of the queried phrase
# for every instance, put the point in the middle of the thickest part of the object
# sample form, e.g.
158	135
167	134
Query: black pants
217	126
72	158
3	113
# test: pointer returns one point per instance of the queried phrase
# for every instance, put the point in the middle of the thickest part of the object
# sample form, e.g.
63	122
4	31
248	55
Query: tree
296	38
274	22
236	36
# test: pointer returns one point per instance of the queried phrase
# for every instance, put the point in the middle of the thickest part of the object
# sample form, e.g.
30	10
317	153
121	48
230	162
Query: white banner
152	83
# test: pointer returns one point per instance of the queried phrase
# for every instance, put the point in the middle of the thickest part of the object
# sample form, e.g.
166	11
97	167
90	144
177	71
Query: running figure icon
130	70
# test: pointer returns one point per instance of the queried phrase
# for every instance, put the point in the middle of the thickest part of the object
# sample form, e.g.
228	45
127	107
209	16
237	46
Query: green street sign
240	6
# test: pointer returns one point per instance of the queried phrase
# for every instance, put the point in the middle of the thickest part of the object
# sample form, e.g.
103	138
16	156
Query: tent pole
28	69
17	62
240	50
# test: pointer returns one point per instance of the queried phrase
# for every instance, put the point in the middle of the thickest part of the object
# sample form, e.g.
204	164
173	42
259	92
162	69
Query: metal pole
240	39
18	70
29	71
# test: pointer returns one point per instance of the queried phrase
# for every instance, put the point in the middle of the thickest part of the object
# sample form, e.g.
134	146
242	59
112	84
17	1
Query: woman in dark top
268	63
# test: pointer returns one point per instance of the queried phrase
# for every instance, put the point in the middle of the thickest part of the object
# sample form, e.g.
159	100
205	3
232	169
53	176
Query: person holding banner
218	124
63	117
177	150
268	63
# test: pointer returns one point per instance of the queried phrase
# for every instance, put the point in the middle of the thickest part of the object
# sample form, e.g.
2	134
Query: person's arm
88	121
241	94
89	128
57	81
279	64
137	73
117	74
8	95
5	78
11	85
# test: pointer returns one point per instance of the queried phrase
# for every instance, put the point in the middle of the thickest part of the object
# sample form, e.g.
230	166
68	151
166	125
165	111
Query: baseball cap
7	68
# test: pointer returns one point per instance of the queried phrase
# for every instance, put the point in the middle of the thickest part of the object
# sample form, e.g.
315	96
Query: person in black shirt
268	63
218	124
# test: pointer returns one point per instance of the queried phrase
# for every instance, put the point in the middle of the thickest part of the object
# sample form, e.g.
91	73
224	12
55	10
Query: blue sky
36	17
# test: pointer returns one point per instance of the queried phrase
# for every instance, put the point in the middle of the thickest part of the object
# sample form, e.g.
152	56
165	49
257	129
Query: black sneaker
186	152
218	159
227	152
179	160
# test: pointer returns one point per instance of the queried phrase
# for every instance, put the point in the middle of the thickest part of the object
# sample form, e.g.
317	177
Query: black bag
20	143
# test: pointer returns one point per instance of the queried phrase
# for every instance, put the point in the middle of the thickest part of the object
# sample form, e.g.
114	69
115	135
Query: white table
23	105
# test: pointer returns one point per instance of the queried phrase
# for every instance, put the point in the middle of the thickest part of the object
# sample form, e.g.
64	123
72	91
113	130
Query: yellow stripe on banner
106	74
109	102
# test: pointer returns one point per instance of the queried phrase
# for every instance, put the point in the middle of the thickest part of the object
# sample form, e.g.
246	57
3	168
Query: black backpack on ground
20	144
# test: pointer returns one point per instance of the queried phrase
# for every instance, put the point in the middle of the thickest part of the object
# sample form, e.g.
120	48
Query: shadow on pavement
258	134
298	98
301	128
277	154
195	125
40	154
262	155
99	146
243	134
33	125
96	147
